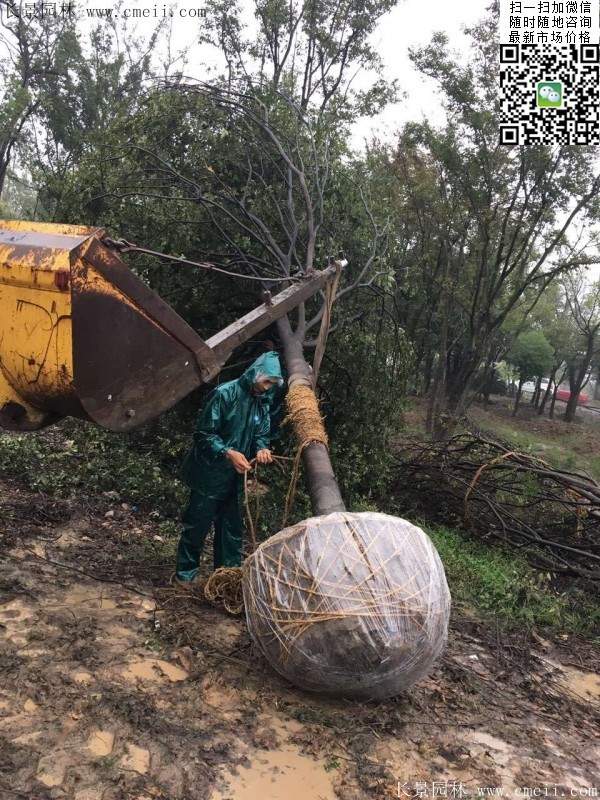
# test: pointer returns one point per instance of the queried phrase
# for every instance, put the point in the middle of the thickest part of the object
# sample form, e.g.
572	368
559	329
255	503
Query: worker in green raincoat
233	428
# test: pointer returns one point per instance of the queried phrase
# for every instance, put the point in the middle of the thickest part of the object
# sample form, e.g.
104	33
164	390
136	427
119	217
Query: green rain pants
224	508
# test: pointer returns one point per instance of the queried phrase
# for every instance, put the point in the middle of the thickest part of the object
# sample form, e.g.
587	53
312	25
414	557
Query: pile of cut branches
474	482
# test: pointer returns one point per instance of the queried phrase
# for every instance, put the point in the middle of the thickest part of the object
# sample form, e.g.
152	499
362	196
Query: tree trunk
323	488
489	382
553	403
458	392
536	392
577	377
542	405
427	371
433	410
5	148
571	409
3	170
518	397
488	376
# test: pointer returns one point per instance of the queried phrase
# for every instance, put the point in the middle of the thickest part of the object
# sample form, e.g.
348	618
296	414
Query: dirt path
123	692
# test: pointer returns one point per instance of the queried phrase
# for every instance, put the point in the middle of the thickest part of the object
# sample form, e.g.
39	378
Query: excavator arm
81	335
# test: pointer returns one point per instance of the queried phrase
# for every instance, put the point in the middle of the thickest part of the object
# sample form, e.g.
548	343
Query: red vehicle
564	395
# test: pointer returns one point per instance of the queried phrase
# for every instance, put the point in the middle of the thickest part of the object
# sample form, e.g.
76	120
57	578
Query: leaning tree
265	187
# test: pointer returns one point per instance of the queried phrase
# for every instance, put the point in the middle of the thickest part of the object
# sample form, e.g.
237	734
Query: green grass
561	455
497	583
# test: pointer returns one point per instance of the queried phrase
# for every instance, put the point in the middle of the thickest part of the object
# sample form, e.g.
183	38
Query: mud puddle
284	774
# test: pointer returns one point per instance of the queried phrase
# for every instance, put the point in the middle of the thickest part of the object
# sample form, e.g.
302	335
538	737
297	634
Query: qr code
549	94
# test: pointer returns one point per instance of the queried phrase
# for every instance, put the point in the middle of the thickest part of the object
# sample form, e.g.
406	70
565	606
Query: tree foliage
484	226
457	246
531	354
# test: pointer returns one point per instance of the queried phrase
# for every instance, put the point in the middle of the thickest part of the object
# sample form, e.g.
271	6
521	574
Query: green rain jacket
233	418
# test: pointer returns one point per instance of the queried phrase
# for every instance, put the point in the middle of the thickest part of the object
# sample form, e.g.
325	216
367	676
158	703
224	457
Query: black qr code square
509	53
550	94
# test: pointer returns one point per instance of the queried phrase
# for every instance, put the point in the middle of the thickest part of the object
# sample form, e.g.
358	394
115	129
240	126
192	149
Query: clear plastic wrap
349	604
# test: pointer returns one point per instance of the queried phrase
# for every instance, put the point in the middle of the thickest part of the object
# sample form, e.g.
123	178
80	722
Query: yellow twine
307	422
304	415
225	586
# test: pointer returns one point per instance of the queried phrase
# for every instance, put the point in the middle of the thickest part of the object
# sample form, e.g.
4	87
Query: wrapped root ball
351	604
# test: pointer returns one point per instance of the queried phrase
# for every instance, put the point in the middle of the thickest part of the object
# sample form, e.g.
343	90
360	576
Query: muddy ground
115	688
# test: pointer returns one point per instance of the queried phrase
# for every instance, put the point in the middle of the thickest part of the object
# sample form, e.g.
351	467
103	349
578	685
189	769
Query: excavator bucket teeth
82	335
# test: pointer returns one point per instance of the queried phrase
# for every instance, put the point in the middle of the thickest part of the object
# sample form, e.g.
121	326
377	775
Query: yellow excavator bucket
81	335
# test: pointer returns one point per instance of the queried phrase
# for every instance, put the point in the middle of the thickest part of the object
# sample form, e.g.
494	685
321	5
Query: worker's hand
239	461
264	457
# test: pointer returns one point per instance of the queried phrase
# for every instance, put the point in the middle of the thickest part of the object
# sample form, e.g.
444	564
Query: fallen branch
496	492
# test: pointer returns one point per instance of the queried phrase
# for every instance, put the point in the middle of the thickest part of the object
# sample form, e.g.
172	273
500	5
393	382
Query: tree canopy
454	242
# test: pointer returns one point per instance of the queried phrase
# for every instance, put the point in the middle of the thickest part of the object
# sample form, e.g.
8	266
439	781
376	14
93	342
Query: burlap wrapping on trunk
352	604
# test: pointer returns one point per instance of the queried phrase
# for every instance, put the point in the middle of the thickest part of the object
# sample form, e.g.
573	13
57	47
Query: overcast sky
412	23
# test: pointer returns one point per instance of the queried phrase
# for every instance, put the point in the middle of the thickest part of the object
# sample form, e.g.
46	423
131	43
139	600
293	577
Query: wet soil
116	687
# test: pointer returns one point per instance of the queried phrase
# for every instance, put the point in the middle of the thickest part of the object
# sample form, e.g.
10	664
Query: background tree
490	233
584	307
38	54
310	49
558	329
531	356
86	112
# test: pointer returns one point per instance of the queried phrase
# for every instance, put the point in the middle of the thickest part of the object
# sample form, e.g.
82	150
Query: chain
123	246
